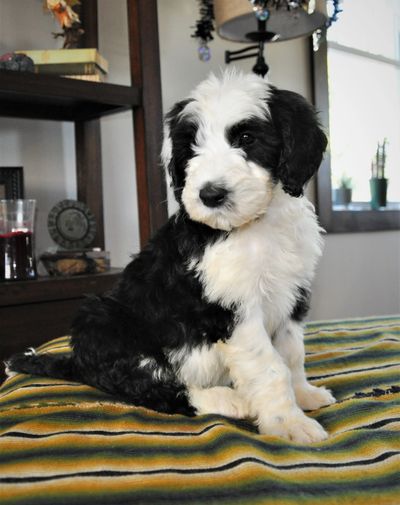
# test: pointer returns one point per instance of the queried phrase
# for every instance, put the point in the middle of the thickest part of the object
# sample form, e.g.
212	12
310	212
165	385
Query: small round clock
72	225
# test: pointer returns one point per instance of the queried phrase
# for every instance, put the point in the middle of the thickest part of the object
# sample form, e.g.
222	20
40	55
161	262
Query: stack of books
85	64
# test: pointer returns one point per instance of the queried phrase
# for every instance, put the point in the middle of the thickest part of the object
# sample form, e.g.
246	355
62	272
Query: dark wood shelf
32	312
55	288
38	96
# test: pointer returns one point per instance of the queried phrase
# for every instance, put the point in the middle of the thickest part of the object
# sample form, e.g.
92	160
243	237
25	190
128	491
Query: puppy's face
228	146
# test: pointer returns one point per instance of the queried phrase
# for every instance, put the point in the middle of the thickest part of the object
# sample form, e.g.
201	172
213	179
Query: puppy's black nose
213	196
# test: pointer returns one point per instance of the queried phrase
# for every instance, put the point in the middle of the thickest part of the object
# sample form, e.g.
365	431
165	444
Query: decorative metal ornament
72	225
204	28
260	9
204	52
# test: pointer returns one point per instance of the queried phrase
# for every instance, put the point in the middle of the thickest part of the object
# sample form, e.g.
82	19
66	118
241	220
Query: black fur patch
183	134
302	140
258	139
302	306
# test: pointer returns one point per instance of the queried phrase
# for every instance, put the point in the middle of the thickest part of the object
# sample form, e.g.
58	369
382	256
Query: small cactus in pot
378	182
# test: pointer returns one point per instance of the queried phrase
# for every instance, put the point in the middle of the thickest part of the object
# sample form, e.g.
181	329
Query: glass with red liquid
17	258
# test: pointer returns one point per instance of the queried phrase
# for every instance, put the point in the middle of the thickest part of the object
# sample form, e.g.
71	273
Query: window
357	85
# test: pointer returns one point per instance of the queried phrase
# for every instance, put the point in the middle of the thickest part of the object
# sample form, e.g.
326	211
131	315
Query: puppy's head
233	142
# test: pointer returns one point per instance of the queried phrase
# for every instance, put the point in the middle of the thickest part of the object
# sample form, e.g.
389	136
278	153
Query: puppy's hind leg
111	350
142	389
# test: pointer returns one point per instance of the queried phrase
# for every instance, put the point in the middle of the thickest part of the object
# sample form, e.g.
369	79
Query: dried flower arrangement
68	19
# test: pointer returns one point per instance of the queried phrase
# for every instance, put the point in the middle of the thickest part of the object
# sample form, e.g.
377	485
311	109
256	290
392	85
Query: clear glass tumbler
17	258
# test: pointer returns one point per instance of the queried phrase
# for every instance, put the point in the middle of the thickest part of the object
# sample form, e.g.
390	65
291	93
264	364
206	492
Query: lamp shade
235	18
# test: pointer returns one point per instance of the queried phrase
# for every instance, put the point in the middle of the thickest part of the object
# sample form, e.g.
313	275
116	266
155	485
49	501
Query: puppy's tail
47	365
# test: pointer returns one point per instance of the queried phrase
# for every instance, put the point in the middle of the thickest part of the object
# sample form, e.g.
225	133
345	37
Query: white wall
359	273
119	179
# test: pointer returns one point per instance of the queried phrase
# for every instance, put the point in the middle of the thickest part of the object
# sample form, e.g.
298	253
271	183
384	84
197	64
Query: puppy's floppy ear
176	148
303	141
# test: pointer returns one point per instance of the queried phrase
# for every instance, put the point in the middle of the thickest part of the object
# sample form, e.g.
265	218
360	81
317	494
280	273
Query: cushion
63	442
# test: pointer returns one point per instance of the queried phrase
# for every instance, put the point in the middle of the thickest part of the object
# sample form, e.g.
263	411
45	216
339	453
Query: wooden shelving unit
34	311
46	289
36	96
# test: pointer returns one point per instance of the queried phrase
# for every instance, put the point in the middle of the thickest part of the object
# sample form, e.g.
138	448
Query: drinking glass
17	258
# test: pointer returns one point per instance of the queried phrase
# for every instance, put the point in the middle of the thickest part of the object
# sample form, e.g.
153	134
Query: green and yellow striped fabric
65	443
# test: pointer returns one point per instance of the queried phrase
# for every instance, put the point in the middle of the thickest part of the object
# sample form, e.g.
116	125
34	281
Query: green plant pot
342	196
378	192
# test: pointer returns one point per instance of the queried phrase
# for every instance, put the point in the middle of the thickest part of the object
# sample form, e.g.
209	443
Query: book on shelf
68	61
69	69
86	77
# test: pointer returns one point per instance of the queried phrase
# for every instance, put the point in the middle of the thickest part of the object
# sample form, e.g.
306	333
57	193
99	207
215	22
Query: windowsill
365	207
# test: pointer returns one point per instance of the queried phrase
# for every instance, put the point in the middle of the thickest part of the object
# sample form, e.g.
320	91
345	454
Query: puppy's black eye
246	139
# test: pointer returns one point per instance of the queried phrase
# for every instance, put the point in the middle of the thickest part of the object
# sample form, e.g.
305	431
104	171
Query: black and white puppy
207	318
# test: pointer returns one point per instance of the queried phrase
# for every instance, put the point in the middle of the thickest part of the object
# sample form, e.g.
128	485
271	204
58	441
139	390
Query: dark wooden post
145	73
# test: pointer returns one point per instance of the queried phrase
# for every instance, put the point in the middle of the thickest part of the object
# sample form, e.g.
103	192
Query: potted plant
378	183
343	193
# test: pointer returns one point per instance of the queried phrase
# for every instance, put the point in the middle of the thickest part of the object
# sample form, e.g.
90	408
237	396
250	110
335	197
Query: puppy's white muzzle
224	191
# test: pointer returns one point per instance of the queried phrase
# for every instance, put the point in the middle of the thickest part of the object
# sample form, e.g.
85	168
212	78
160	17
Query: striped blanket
65	443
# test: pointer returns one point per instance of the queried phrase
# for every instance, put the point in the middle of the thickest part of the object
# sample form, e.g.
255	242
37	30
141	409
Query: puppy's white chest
260	266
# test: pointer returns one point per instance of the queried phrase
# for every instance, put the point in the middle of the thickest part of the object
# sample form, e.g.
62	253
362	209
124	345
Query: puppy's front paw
295	426
310	397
